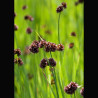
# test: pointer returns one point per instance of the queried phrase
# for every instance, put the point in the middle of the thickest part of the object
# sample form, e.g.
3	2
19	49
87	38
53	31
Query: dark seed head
24	7
70	89
34	48
52	62
29	30
73	34
64	5
82	91
71	45
15	27
43	63
36	42
60	47
42	43
17	51
28	17
18	61
47	46
53	47
59	9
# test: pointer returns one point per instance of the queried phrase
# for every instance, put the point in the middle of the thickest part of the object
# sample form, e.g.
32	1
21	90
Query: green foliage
70	62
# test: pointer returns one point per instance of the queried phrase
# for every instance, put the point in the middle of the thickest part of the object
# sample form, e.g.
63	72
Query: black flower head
82	91
36	42
60	47
73	34
53	47
34	48
17	51
71	45
28	17
24	7
48	47
18	61
42	43
43	63
59	9
64	5
51	62
29	30
15	27
70	89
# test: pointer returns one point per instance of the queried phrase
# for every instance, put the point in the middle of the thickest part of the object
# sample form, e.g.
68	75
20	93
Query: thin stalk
74	95
54	76
58	28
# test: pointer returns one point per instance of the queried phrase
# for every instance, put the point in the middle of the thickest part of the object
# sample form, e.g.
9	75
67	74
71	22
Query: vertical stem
58	28
74	95
54	76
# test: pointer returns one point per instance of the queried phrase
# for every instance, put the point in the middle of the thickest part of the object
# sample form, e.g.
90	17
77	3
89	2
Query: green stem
58	28
54	76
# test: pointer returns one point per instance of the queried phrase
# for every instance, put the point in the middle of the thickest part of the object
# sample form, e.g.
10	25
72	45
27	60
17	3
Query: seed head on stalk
17	51
71	88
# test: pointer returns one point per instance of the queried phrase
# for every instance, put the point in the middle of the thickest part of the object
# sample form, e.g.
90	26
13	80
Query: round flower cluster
28	17
48	46
70	89
50	62
18	60
60	8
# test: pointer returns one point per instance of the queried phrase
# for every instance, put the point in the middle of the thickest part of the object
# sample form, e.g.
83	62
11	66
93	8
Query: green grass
70	62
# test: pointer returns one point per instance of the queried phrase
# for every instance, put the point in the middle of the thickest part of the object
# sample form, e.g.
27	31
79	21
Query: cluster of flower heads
48	46
72	87
18	60
60	8
26	17
47	62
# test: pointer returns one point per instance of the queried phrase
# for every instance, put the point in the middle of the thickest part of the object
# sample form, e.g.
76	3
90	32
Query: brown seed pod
73	34
64	4
24	7
33	48
60	47
53	47
43	63
82	91
71	45
52	62
28	17
47	47
48	32
29	30
59	9
17	51
71	88
42	43
18	61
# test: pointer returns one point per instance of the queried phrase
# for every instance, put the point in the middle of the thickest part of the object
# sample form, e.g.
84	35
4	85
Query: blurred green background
70	63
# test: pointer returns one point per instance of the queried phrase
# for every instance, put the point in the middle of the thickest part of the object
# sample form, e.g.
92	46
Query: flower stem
54	76
58	28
